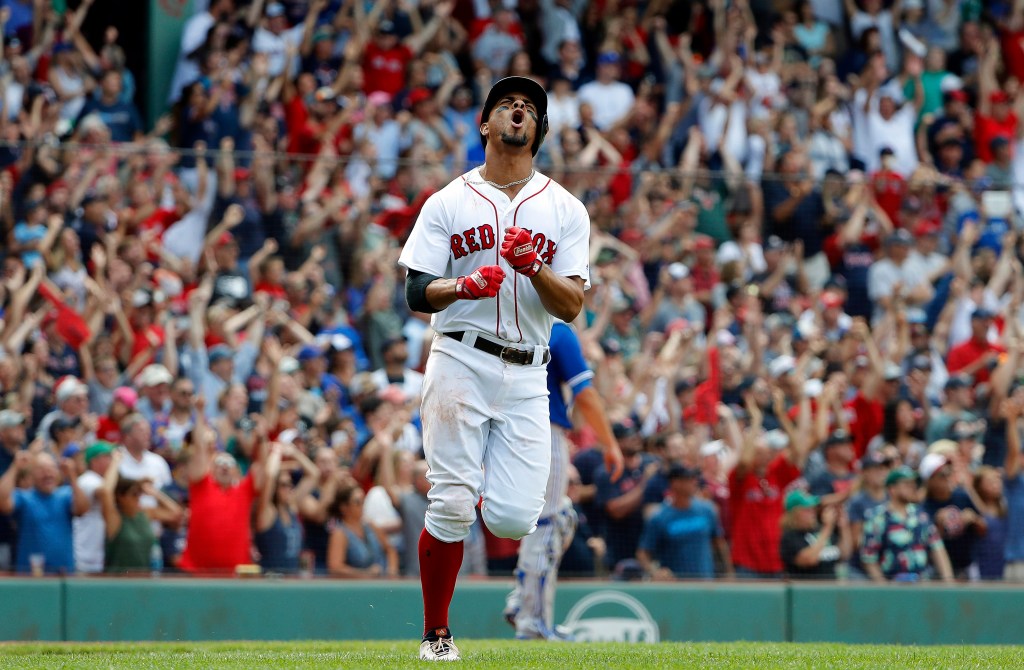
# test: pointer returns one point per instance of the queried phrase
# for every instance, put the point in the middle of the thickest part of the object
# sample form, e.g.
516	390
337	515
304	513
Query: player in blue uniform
530	606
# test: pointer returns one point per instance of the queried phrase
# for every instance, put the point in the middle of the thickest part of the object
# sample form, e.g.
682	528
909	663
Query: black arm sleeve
416	283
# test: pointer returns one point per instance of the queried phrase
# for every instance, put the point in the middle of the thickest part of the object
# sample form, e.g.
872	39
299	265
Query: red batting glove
483	282
517	249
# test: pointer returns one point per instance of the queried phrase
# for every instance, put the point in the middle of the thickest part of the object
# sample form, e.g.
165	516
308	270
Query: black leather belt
509	355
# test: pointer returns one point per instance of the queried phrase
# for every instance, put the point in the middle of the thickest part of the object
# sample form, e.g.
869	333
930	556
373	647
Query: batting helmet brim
532	90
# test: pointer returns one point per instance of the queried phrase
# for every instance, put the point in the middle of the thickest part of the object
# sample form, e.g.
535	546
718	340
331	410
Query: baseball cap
886	151
831	299
927	227
288	365
873	459
64	422
774	243
97	449
608	58
962	430
931	464
982	313
275	9
386	27
126	395
892	372
897	475
999	97
528	87
957	382
154	375
611	347
839	436
680	471
899	236
703	242
308	353
10	418
225	239
623	429
800	498
776	439
219	353
70	388
418	95
782	365
678	271
712	448
71	450
921	362
957	95
944	447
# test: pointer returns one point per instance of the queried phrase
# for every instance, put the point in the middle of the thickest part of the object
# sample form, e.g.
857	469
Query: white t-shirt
89	532
610	102
412	381
379	511
563	113
898	134
275	46
151	467
461	228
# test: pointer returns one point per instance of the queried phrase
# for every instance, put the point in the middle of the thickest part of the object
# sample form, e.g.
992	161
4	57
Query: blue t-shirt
680	539
121	118
44	525
623	535
568	368
1014	488
961	546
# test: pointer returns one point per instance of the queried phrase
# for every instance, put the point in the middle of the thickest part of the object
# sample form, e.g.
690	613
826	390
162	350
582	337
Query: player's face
514	120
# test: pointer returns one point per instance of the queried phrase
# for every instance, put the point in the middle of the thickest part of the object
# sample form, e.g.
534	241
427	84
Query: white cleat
441	649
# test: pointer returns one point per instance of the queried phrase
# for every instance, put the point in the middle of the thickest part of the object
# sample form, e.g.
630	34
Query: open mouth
518	116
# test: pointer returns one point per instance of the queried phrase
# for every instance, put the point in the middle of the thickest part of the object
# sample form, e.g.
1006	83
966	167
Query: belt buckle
509	351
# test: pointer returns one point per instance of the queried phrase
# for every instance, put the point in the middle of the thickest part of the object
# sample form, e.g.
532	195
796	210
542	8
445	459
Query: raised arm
106	493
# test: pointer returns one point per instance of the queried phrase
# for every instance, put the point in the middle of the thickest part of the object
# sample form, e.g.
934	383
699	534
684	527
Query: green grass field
501	655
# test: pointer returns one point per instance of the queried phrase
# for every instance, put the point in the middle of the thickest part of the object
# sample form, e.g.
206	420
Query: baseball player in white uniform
531	604
496	255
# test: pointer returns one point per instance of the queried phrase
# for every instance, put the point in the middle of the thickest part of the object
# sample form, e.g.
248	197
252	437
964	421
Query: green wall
101	609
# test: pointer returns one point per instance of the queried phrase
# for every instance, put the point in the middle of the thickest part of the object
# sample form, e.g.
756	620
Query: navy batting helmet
528	87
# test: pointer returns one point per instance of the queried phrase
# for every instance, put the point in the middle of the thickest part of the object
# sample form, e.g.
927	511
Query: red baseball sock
439	566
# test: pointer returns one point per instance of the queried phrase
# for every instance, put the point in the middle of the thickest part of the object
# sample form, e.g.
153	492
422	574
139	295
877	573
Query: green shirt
128	551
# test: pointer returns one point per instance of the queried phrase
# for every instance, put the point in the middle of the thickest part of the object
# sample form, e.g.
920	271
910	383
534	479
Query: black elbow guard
416	283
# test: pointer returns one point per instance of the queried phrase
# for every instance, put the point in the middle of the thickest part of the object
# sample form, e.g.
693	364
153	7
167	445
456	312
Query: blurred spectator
874	468
757	484
621	503
809	549
277	530
130	541
220	500
952	511
88	530
357	549
677	541
44	512
900	539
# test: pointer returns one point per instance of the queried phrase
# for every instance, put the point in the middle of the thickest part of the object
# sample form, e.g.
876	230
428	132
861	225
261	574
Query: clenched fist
517	249
483	282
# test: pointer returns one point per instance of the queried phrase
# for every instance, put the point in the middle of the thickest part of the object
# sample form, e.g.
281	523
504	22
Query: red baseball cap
831	299
998	97
225	238
957	94
927	227
703	242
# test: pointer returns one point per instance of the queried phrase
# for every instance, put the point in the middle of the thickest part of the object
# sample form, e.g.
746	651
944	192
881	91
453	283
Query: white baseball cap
931	464
781	366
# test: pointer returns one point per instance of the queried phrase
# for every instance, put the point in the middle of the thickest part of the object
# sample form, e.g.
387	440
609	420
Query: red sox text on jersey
482	238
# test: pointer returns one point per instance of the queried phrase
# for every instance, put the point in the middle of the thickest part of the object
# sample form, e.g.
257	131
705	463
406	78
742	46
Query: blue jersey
567	368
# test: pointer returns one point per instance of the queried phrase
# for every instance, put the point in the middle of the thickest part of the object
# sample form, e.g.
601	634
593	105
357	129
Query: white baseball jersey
461	228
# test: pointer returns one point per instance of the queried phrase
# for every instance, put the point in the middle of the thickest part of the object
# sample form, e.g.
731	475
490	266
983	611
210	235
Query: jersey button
508	323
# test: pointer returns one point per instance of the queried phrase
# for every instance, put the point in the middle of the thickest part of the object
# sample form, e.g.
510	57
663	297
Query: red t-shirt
987	128
218	530
966	353
889	189
757	515
866	422
108	430
385	70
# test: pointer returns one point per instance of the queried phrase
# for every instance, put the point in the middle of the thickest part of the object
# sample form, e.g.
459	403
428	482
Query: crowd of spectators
805	322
